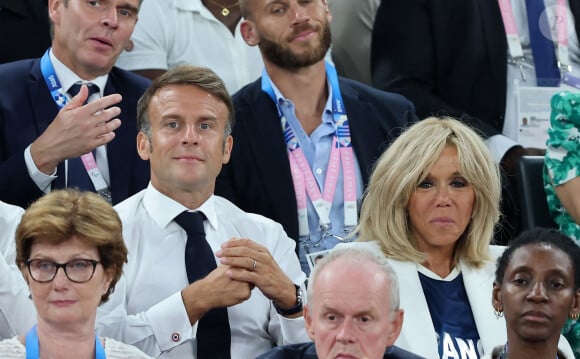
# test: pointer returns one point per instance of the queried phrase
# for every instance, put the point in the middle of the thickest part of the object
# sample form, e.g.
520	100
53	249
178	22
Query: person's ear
496	301
575	310
107	279
249	33
308	322
53	10
396	326
129	46
327	9
228	144
143	146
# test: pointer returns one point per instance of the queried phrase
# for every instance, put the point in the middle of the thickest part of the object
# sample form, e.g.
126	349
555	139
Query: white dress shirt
67	78
146	308
177	32
17	313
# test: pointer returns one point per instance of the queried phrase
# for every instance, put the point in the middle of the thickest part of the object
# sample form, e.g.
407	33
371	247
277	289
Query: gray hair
361	254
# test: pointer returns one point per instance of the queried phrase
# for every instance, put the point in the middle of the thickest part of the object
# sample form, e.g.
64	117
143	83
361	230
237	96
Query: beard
282	56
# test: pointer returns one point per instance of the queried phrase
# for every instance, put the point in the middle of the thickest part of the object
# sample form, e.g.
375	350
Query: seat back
532	197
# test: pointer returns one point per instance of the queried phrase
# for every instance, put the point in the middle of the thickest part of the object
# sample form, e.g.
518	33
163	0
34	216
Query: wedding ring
253	264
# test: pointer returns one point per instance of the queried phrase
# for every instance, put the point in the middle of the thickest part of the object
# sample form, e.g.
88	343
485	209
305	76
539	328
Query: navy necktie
77	173
213	329
76	88
546	64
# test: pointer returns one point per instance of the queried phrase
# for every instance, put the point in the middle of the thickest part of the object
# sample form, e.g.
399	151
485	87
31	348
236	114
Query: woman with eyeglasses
70	250
536	288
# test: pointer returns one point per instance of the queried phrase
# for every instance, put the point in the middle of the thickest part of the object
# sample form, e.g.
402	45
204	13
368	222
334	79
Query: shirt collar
68	78
190	5
327	107
163	209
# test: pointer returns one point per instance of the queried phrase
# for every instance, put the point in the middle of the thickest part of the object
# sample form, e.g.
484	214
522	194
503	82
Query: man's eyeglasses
77	270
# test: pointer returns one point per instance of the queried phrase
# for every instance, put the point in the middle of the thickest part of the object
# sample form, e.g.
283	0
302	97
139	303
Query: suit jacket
26	110
25	29
418	334
308	351
258	178
447	57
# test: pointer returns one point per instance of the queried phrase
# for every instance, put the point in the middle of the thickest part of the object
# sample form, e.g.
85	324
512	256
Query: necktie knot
191	222
76	88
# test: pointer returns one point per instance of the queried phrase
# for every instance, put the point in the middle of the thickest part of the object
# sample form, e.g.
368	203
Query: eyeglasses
77	270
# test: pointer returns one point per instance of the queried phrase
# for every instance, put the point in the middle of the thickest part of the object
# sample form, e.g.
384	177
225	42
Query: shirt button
318	171
175	337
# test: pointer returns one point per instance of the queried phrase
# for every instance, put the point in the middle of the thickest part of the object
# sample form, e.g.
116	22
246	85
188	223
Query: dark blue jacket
26	110
308	351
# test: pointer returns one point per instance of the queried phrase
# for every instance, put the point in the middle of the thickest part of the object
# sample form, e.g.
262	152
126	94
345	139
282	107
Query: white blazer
418	334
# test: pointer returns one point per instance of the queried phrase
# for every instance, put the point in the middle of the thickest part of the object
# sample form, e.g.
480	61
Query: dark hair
552	237
188	75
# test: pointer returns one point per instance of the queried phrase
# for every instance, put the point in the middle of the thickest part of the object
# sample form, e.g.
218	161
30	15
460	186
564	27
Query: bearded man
306	139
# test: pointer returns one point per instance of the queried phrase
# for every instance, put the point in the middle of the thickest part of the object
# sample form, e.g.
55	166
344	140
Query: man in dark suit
451	58
352	309
300	103
49	138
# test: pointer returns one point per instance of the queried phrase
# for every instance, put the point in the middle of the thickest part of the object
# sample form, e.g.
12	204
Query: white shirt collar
164	209
68	78
190	5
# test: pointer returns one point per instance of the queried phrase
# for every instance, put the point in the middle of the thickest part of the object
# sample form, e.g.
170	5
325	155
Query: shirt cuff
499	145
170	322
293	330
43	181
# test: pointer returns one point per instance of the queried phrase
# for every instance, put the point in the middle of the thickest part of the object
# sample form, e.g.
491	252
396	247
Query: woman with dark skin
537	287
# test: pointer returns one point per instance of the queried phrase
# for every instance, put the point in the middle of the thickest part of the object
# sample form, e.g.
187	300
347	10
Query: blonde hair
407	162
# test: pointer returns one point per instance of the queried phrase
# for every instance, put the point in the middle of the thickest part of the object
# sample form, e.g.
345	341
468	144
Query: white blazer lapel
478	285
418	334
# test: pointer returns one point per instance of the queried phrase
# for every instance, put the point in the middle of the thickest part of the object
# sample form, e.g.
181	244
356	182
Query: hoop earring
498	312
574	316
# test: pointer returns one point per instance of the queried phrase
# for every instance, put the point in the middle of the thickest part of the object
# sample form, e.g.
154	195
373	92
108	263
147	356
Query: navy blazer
257	178
308	351
447	57
26	110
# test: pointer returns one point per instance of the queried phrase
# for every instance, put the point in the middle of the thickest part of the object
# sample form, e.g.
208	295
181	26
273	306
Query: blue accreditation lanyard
52	81
341	154
61	100
32	346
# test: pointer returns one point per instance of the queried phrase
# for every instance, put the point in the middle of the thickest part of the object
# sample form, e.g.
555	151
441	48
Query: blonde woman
431	207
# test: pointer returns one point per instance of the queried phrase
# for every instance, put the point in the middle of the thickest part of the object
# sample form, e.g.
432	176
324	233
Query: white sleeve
162	327
498	145
17	312
152	40
43	181
287	330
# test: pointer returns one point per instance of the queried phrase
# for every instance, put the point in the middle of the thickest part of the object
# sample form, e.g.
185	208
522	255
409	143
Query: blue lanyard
32	347
338	110
52	81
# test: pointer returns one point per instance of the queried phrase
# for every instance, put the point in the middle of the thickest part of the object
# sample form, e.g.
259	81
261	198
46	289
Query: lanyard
32	346
61	100
513	38
341	154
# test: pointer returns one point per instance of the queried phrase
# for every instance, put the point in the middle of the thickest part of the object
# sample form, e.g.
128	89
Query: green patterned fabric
562	164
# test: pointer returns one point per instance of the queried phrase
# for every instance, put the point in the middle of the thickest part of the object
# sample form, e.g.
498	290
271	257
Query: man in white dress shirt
185	119
17	313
